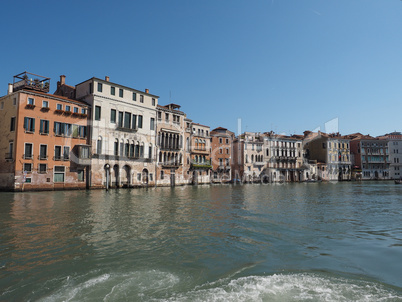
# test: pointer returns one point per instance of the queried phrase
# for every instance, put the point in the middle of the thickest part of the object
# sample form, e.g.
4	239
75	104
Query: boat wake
161	286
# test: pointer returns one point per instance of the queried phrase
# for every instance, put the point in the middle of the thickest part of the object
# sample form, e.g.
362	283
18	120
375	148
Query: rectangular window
28	151
58	128
84	152
141	98
31	101
153	102
59	107
140	121
97	113
75	109
160	116
127	120
162	174
151	177
112	90
27	167
121	149
91	90
29	124
59	173
120	92
44	127
42	168
167	117
134	122
12	124
68	130
150	152
99	146
116	148
220	140
113	116
9	155
120	121
75	131
45	104
14	101
68	108
134	96
100	87
152	123
43	152
83	111
139	176
66	153
57	152
80	175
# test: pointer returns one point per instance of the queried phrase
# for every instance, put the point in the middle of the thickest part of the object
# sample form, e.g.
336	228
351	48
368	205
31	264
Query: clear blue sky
282	65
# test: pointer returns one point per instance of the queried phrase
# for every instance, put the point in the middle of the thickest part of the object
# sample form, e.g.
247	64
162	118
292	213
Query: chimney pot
10	88
106	78
146	90
62	80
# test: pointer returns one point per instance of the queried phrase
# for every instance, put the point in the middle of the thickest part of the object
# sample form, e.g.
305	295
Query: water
309	242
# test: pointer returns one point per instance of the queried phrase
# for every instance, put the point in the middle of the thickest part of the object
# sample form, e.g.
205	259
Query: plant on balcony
30	106
58	111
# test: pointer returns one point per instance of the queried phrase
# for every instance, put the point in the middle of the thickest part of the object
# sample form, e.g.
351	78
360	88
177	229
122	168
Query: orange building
43	145
221	154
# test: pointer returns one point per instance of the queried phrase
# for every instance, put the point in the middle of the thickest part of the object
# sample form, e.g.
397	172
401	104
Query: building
370	157
284	157
221	154
123	133
395	154
200	154
172	156
44	144
332	153
248	158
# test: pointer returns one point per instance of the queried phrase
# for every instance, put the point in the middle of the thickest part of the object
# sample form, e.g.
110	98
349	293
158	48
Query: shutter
41	126
33	125
25	122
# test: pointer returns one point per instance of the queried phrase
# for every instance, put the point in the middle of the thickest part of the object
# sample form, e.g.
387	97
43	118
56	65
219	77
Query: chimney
146	90
62	80
106	78
10	88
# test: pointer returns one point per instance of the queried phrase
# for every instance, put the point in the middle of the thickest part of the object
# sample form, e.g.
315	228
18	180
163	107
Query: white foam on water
293	287
114	287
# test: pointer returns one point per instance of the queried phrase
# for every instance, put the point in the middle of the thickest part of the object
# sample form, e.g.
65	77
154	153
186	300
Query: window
113	116
43	152
150	151
100	87
112	90
29	124
27	167
58	128
152	123
31	101
120	121
57	152
227	140
75	109
167	117
28	151
227	150
83	152
139	176
12	124
127	120
99	146
97	113
220	151
134	96
14	101
59	107
91	88
140	121
44	127
59	173
80	175
82	131
134	122
116	148
141	98
160	116
220	140
324	146
10	150
68	108
45	104
83	111
162	174
151	177
120	92
42	168
66	153
75	131
153	102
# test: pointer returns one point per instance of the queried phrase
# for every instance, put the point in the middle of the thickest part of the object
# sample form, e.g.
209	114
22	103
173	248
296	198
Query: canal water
292	242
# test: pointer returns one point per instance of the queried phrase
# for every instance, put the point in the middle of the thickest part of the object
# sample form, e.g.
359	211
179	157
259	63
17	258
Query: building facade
123	133
44	143
395	154
200	155
221	154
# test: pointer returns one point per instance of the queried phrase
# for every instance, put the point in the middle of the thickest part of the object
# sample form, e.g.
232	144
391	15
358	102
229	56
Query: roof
197	124
54	96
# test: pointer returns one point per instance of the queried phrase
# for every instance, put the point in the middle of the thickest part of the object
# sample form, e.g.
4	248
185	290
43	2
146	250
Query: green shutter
33	125
25	122
41	126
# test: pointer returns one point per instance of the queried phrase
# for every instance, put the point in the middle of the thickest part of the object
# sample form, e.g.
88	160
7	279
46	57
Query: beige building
123	136
200	154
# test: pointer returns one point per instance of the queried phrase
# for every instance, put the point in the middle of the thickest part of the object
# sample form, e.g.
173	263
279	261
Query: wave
161	286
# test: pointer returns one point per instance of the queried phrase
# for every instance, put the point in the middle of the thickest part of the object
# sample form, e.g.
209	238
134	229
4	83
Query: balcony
26	80
170	165
224	167
42	157
259	163
125	129
201	165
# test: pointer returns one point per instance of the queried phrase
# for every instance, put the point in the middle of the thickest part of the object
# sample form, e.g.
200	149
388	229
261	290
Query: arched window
150	151
99	145
252	158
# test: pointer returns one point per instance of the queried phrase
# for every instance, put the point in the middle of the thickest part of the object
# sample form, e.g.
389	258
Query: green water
309	242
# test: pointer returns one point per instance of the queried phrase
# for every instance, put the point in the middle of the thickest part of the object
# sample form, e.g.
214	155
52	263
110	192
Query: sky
246	65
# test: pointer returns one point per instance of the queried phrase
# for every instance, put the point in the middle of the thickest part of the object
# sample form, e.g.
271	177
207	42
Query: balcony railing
32	81
201	165
42	157
27	156
124	129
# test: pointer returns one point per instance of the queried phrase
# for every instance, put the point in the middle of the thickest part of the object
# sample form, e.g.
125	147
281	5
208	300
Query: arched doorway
126	176
107	176
116	176
145	176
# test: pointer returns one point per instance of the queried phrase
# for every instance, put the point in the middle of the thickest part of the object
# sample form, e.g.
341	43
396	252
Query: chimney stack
10	88
62	80
146	90
106	78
